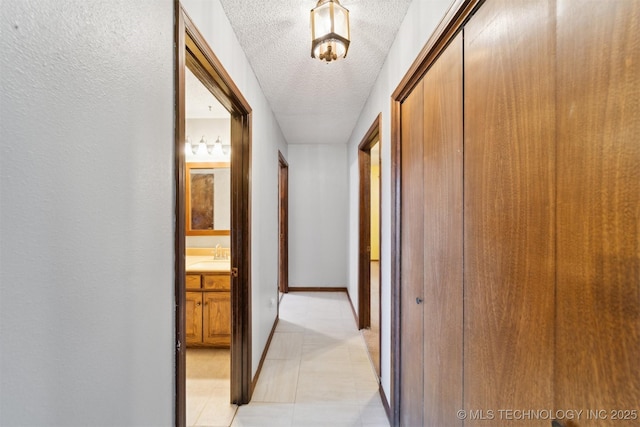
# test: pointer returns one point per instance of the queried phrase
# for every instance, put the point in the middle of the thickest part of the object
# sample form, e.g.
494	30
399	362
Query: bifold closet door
509	220
431	288
598	284
412	268
443	238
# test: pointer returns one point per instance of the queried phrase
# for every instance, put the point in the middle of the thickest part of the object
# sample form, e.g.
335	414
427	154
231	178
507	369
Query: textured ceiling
314	102
199	102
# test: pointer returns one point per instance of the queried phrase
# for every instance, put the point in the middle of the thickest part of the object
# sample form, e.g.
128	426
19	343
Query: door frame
454	19
364	240
283	224
191	49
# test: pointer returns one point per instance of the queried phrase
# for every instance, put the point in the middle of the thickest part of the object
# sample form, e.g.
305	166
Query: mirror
208	193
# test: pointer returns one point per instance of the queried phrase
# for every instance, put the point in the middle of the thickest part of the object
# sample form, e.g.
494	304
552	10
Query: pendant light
330	33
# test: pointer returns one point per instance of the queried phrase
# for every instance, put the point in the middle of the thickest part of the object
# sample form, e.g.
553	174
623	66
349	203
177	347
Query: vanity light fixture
330	33
210	145
216	148
194	145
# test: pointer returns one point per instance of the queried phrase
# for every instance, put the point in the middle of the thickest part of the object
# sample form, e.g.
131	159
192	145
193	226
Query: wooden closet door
412	268
443	238
509	222
598	290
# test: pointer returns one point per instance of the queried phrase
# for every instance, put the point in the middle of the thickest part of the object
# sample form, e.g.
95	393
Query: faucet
216	254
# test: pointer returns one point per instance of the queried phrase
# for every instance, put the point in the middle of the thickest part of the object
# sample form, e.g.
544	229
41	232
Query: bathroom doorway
225	295
283	225
369	241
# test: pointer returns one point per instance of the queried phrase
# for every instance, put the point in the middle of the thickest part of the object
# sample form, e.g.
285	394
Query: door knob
418	300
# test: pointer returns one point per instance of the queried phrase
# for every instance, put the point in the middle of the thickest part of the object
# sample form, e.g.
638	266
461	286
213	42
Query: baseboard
385	404
353	310
317	289
264	356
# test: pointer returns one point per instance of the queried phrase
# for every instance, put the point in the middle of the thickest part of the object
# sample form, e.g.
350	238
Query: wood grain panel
216	319
443	238
412	257
598	291
217	281
193	323
193	281
509	220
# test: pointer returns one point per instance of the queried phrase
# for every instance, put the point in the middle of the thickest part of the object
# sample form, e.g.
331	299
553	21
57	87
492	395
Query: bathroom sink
210	265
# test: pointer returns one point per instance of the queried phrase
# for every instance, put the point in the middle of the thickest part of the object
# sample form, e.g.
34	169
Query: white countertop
206	264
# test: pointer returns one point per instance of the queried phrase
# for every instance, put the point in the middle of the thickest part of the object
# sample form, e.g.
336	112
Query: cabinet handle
419	300
198	304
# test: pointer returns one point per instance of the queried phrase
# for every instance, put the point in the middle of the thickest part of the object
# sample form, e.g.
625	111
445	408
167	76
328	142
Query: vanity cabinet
208	309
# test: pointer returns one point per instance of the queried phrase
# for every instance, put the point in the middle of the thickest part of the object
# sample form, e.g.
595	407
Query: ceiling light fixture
330	33
219	151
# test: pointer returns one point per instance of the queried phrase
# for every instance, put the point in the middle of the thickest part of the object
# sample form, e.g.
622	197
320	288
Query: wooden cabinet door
598	286
193	324
217	318
509	219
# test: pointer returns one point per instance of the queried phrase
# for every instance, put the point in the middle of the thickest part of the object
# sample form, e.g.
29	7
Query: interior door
283	225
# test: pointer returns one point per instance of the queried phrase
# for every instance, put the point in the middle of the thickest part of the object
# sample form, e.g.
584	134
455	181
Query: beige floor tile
277	382
374	414
334	415
285	325
208	386
264	415
326	388
195	405
285	346
217	412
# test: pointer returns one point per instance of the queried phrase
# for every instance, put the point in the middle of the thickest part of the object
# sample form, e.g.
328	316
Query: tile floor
317	372
372	334
208	387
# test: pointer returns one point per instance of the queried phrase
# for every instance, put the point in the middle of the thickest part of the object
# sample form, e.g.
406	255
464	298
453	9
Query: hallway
317	371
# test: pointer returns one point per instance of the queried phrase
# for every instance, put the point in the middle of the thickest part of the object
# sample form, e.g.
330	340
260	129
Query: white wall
422	18
209	17
318	208
86	215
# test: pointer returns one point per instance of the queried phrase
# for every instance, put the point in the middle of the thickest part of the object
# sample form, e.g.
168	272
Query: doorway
369	241
283	224
193	52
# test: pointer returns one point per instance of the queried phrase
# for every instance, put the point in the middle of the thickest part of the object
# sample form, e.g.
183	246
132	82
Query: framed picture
207	199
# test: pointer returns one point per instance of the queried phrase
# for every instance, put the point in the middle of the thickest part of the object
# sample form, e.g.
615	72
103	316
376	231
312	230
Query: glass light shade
330	31
210	145
193	144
